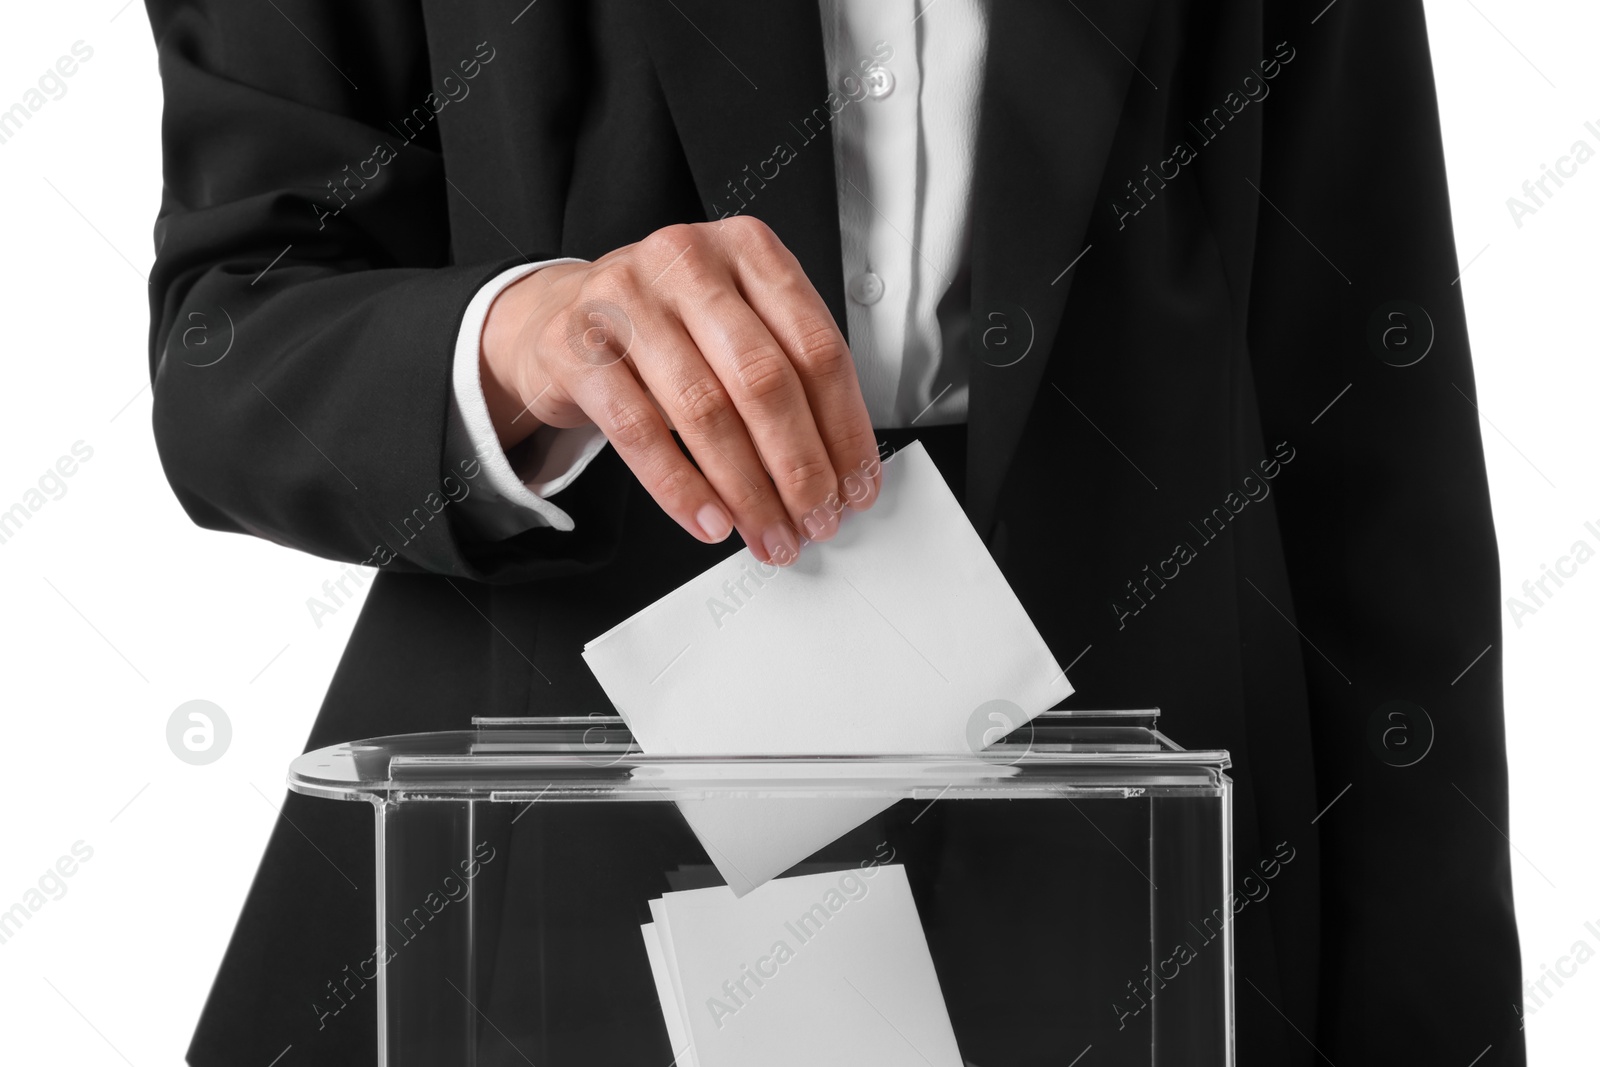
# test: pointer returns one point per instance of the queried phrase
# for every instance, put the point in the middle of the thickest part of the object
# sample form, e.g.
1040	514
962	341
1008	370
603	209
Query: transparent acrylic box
1073	881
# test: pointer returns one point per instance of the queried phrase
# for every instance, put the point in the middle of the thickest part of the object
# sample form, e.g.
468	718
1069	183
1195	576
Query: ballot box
543	888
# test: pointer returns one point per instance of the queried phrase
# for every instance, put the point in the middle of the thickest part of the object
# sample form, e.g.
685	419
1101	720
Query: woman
1165	286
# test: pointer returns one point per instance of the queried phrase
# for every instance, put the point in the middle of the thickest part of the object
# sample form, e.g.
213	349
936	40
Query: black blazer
1206	236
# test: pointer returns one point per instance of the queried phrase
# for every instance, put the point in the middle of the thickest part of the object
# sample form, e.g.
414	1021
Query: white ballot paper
889	639
822	969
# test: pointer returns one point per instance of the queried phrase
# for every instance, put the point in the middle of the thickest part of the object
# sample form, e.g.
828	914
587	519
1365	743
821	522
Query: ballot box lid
595	758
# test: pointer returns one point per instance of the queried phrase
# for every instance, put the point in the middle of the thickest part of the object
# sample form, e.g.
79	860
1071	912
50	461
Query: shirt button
879	82
866	288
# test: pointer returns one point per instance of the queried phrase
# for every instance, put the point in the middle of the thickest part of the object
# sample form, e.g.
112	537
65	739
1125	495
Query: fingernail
822	523
781	546
856	489
861	486
714	522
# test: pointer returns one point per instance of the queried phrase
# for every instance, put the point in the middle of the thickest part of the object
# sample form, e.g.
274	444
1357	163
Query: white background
114	609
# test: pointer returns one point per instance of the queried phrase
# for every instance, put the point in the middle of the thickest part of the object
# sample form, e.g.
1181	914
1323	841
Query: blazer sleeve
1359	341
304	302
1359	338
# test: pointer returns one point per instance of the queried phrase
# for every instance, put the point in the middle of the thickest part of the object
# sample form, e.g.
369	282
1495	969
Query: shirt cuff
511	495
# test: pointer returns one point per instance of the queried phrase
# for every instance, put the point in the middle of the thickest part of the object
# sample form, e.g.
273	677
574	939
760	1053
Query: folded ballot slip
893	638
821	969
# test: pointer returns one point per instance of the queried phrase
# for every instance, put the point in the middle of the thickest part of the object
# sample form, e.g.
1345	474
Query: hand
714	331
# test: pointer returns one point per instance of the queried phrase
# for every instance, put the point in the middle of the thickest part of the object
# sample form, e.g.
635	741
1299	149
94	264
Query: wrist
505	354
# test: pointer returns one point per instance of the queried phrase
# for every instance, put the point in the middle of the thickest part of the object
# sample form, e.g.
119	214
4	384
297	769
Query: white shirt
903	153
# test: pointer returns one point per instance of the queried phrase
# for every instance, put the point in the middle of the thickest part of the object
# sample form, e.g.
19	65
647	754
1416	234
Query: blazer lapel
741	79
1055	79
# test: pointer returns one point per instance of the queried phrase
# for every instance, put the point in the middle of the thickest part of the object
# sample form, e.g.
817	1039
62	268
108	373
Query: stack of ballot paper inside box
893	638
821	969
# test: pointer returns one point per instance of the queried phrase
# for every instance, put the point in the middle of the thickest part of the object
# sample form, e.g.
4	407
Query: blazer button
866	288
